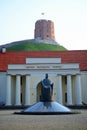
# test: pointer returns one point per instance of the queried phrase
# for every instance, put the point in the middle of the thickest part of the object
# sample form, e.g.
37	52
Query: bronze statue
46	89
46	105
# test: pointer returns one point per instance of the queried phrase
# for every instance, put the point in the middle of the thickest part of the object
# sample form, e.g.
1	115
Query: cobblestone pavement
10	121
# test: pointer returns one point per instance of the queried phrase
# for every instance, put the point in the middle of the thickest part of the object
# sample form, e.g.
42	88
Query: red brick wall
66	57
44	29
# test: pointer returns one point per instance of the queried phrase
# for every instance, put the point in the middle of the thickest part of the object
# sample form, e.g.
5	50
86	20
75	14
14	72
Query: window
65	79
65	97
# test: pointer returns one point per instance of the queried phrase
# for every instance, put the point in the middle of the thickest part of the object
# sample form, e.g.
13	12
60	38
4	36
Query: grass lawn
30	46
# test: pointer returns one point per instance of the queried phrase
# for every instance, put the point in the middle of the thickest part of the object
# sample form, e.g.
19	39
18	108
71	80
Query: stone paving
10	121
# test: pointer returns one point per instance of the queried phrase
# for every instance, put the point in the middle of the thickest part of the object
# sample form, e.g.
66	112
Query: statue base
46	108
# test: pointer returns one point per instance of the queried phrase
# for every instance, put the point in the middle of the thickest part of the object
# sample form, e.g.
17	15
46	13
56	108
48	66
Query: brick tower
44	29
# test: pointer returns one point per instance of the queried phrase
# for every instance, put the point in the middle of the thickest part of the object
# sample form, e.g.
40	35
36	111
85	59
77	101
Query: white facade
20	85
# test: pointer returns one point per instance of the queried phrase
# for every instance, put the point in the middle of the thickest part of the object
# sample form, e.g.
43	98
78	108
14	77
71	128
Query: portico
22	81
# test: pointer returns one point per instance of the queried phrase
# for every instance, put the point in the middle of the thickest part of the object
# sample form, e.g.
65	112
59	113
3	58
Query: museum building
21	73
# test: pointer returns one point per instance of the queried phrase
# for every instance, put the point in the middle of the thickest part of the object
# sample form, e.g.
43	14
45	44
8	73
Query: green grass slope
31	46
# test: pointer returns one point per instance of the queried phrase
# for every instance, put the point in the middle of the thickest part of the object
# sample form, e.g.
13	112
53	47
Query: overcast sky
18	17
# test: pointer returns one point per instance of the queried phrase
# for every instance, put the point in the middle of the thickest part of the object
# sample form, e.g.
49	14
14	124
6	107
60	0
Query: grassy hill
31	46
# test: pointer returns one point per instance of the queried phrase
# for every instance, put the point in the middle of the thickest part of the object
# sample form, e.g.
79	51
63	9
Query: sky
18	17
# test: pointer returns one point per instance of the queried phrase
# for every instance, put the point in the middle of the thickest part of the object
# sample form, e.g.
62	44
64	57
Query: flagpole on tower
42	14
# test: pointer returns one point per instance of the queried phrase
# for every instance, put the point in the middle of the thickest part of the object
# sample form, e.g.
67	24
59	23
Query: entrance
38	92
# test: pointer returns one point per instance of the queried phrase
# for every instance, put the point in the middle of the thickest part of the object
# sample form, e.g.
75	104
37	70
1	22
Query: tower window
47	27
40	32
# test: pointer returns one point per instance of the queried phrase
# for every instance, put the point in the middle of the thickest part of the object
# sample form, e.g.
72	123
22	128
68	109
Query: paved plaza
10	121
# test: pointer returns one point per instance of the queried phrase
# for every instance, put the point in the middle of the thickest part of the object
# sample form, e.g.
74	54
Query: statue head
46	76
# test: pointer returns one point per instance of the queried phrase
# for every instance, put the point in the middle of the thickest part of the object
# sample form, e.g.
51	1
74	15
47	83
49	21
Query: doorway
38	92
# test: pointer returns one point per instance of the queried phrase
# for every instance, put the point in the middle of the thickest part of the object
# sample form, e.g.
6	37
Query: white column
27	90
60	89
18	93
78	89
8	90
69	90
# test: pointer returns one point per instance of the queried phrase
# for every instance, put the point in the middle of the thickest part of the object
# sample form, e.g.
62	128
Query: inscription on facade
42	67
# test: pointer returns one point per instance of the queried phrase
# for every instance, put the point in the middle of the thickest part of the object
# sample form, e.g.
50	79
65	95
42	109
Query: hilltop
28	45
